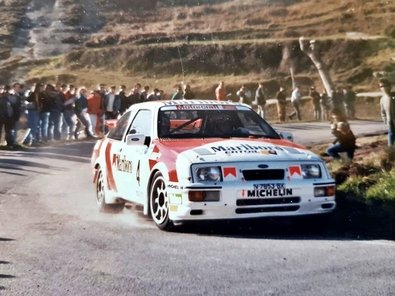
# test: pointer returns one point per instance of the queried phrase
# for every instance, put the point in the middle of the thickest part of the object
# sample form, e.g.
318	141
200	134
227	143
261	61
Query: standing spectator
144	94
95	110
188	93
178	94
45	109
68	112
387	107
123	98
16	100
56	113
260	100
111	104
296	97
344	142
6	114
242	94
100	120
161	95
315	96
349	101
337	99
325	108
81	110
33	114
281	104
154	96
134	97
220	92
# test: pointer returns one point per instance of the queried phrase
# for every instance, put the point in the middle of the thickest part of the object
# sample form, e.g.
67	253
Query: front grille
267	201
255	175
267	210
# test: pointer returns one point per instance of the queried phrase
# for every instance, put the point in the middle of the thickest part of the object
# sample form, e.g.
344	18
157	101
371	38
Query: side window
119	130
142	123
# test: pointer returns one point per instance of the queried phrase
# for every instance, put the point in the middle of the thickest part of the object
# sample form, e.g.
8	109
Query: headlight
209	174
311	171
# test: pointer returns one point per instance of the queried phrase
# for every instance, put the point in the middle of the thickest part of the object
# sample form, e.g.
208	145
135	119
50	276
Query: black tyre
100	197
159	205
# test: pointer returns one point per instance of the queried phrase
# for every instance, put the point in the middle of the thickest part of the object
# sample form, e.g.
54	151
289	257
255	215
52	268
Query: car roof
159	104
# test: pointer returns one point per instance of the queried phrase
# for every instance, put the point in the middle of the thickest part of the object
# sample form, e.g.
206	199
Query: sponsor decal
122	164
197	102
229	173
247	148
199	107
275	192
295	172
175	198
172	186
202	105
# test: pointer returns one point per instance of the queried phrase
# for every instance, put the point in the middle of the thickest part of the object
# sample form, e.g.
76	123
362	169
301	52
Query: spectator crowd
58	111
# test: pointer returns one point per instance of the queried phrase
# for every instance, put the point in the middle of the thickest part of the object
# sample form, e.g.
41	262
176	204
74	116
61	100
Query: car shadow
300	228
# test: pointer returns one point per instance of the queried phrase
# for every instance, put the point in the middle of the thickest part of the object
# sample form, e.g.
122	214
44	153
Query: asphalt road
310	133
53	241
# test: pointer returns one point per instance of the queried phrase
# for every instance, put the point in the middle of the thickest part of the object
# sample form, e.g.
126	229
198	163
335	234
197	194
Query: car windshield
213	123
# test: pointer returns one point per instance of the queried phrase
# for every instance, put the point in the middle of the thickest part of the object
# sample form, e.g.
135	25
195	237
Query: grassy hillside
203	41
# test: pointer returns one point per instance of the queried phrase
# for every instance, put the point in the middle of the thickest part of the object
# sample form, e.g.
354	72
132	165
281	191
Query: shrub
356	187
384	189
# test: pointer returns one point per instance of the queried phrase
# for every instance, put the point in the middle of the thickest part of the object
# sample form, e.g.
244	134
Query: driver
163	126
220	124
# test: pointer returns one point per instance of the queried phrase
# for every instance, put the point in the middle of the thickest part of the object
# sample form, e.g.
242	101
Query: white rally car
206	160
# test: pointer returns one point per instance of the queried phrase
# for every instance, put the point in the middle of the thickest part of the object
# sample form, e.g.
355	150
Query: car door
135	157
113	152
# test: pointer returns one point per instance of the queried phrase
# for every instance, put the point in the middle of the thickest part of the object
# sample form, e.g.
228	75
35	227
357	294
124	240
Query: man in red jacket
95	110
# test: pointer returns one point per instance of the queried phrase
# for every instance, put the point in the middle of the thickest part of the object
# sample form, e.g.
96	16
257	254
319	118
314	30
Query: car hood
234	150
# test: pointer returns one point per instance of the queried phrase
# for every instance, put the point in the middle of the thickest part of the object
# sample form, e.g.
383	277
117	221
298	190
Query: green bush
384	189
357	187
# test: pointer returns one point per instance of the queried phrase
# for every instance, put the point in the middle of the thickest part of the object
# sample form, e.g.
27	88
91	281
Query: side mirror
287	136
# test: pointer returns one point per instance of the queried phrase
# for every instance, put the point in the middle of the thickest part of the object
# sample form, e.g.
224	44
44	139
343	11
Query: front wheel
100	197
159	204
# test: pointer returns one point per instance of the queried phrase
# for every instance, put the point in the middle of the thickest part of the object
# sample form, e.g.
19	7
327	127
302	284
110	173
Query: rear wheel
159	204
100	197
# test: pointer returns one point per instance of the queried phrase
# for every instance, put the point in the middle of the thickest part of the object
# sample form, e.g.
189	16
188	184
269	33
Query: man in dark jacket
56	112
6	114
315	96
16	100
